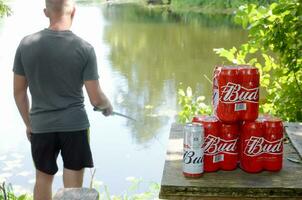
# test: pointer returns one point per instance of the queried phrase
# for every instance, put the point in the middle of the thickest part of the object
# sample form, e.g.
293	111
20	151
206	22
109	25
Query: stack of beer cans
235	135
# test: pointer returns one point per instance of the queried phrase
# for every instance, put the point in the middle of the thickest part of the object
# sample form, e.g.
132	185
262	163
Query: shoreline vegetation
194	6
132	192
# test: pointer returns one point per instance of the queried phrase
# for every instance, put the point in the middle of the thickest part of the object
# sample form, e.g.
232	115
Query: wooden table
237	184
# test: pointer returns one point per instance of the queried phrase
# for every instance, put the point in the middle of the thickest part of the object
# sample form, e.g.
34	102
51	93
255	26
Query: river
143	56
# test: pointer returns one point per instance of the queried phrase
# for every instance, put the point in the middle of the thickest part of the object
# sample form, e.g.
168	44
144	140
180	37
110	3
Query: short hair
59	6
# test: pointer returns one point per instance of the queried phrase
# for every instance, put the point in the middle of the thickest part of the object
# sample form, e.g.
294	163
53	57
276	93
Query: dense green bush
275	33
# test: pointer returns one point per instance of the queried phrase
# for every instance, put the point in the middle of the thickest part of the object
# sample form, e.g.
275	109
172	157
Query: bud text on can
236	93
193	150
261	144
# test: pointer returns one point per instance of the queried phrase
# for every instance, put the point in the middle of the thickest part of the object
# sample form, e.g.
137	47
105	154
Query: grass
132	192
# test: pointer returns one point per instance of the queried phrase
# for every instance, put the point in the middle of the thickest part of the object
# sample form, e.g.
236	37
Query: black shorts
74	147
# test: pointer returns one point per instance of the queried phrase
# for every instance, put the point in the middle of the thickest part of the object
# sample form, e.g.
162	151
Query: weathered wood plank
76	194
294	132
285	184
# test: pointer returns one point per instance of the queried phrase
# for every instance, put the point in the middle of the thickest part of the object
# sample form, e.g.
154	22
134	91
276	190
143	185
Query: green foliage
275	33
217	4
191	105
4	9
132	192
7	193
139	13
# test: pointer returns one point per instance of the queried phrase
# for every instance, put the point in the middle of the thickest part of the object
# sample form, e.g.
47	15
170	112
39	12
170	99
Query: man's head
59	8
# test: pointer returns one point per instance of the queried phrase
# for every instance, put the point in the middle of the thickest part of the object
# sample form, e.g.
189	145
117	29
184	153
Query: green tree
4	9
275	33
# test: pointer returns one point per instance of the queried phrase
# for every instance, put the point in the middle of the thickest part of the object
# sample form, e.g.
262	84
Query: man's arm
21	99
97	97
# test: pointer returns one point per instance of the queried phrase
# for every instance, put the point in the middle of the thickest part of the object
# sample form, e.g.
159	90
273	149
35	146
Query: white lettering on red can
234	93
214	145
256	146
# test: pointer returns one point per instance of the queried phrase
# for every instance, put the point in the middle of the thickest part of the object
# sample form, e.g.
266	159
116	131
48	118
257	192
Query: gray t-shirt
56	64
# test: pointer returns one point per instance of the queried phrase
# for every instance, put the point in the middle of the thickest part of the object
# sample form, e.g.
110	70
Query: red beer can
273	158
226	81
193	150
221	144
250	146
249	92
229	136
236	93
261	145
211	134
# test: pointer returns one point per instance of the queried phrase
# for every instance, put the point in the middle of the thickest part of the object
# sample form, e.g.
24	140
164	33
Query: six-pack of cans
235	135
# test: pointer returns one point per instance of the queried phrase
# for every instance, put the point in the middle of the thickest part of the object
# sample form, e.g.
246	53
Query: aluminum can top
226	71
210	123
273	122
232	128
210	119
235	67
198	118
194	127
258	123
204	118
248	70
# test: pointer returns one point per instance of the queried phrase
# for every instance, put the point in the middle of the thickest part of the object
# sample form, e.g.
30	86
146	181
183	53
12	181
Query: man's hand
107	111
28	133
97	97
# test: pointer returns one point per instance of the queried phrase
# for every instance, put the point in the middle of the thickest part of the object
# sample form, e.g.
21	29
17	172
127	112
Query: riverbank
194	6
175	7
194	9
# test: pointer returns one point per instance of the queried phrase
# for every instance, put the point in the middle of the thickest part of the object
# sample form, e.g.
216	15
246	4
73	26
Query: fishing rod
114	113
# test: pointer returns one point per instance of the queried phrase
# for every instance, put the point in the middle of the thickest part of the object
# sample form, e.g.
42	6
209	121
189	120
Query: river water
143	56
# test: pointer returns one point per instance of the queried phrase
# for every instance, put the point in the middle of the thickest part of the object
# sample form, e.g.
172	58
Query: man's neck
60	25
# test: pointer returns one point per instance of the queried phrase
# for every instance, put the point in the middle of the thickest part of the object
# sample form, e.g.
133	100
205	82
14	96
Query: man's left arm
21	99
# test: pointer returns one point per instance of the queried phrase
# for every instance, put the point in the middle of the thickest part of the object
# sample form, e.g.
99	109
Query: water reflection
154	51
143	55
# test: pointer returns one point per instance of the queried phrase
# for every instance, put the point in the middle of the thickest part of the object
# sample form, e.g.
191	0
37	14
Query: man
55	64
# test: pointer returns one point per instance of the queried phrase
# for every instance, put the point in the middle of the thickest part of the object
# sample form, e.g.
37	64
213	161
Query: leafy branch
4	9
275	33
191	105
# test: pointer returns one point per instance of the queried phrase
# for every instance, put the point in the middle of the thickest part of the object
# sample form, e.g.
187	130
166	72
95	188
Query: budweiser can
251	140
273	158
229	135
250	79
261	145
193	150
236	93
211	134
220	144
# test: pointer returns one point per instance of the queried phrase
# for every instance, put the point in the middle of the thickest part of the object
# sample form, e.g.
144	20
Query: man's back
56	63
